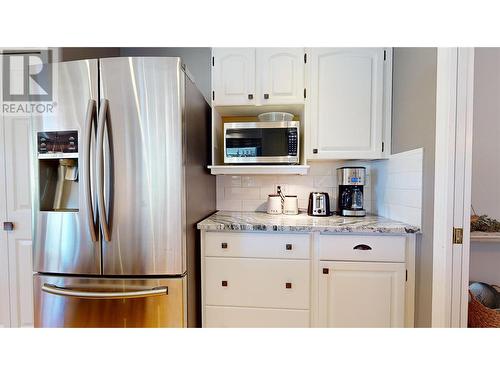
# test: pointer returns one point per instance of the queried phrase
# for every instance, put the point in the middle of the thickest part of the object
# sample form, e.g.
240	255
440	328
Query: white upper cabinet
346	107
233	76
257	76
280	72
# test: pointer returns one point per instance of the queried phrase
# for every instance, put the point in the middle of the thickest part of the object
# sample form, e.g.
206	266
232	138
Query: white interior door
18	204
4	251
454	108
280	72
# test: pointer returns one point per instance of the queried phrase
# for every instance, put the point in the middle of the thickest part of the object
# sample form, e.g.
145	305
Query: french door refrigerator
119	181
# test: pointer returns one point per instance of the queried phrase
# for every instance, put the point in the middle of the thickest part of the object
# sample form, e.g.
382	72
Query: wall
414	126
81	53
197	60
485	257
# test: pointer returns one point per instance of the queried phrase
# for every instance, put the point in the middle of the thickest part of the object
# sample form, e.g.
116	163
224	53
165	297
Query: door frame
452	187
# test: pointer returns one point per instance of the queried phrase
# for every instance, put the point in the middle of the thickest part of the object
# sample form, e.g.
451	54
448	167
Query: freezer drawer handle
58	291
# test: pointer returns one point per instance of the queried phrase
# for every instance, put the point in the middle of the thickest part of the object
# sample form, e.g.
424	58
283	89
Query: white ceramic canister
290	205
274	204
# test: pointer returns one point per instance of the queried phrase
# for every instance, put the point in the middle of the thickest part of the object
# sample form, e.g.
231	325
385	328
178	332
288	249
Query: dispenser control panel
65	142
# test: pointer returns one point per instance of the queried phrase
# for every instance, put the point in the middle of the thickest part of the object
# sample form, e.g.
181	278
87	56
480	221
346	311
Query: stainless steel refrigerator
119	180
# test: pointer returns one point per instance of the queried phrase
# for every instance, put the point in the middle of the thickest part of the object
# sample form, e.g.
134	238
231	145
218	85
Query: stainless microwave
262	142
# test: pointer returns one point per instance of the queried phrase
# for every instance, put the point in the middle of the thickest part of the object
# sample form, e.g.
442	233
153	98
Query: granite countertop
261	221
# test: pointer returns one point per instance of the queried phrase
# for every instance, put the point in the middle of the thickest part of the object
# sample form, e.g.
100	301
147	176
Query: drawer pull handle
326	271
289	246
224	282
362	247
224	245
288	285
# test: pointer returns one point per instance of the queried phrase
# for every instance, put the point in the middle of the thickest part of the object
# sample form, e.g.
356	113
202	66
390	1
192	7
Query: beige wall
414	126
81	53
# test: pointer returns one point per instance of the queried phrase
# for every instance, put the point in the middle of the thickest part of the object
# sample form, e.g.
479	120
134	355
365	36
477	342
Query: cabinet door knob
362	247
250	96
224	283
289	246
224	245
266	96
325	271
288	285
8	226
315	150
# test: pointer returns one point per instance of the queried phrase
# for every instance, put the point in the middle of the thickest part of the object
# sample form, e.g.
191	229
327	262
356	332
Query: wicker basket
480	316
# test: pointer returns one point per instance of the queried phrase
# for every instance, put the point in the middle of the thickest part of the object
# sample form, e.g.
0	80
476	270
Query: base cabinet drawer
363	248
257	245
246	317
273	283
361	294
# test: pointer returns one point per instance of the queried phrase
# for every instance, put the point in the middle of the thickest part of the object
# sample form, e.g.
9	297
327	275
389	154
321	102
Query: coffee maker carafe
351	181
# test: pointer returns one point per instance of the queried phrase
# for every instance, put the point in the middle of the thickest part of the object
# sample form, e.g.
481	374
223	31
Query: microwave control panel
292	141
57	142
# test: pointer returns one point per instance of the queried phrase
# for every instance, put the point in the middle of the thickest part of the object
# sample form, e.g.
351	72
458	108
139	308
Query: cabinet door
361	294
346	104
280	73
233	76
18	193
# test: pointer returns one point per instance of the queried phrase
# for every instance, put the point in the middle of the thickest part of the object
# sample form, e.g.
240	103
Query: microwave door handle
89	127
101	125
66	292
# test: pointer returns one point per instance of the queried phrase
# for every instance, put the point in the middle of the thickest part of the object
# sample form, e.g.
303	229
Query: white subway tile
254	205
325	181
229	205
232	181
257	180
295	180
321	168
237	193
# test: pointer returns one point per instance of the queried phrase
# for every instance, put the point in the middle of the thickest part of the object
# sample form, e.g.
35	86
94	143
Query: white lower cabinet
246	317
307	279
256	280
361	294
362	281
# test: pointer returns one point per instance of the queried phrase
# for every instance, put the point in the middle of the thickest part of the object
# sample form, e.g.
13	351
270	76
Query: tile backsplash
249	193
393	187
397	186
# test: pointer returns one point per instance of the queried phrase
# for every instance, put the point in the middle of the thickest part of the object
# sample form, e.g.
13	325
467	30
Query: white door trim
453	170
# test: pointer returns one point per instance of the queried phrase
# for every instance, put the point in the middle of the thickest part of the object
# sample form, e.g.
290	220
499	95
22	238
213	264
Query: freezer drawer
109	302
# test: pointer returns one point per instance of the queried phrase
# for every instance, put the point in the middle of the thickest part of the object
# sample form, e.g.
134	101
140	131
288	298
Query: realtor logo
26	77
27	82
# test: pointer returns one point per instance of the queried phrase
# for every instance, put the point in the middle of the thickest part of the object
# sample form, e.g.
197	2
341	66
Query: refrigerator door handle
59	291
101	125
89	122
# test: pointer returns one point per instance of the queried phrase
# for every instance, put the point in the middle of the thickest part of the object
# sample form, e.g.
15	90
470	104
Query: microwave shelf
258	169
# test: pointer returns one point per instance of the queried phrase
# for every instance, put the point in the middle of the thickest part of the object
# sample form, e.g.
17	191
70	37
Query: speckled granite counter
261	221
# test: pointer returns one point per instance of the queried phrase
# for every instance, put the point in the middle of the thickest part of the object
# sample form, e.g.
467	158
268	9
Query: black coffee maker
351	181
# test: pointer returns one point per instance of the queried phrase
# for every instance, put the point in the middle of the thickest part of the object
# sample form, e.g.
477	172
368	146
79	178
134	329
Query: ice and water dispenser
58	170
